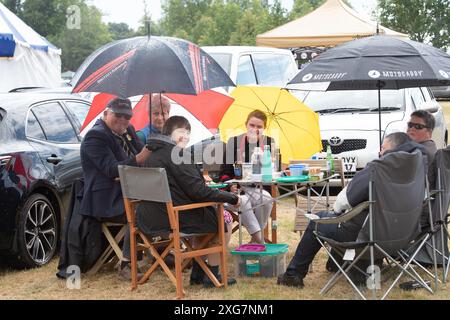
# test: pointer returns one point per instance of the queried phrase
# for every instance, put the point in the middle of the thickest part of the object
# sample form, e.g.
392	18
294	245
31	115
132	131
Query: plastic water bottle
266	169
330	161
256	164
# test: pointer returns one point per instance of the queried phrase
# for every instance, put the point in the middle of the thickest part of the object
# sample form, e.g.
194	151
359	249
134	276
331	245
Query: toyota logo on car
335	141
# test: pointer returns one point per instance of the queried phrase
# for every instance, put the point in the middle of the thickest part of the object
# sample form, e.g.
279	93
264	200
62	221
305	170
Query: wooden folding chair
113	246
150	184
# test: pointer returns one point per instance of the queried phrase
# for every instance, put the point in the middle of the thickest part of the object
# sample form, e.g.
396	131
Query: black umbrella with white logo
375	63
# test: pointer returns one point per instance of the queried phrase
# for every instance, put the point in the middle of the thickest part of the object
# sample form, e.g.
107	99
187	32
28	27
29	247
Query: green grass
41	283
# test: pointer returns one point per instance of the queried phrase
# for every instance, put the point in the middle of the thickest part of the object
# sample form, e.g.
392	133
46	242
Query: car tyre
37	232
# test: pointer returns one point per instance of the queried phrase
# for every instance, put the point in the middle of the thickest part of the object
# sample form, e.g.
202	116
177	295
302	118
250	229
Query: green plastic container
289	179
217	185
268	263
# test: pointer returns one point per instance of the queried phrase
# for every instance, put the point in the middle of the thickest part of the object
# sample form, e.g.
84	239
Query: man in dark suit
112	141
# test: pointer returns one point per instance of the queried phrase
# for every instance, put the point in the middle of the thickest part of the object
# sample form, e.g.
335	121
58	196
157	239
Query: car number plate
349	163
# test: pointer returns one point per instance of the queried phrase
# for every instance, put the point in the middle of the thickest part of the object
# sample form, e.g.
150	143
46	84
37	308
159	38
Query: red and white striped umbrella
204	111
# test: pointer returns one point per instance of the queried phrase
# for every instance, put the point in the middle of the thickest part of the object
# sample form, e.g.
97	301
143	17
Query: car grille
347	175
347	145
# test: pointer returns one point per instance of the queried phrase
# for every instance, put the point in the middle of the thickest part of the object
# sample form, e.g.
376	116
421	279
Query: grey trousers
255	219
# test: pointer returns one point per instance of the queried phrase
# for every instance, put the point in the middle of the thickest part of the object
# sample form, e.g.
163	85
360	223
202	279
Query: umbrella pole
161	106
149	110
379	112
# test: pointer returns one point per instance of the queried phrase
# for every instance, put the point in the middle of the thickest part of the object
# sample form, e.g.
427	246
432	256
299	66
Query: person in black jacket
187	186
112	141
357	191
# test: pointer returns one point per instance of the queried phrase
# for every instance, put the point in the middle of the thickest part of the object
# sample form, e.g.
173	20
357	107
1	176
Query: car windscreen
223	59
274	69
354	100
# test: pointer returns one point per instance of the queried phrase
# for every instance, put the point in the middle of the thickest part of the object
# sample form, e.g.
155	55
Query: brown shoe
125	273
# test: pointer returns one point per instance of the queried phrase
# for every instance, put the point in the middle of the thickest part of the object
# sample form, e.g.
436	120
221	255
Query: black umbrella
153	64
378	62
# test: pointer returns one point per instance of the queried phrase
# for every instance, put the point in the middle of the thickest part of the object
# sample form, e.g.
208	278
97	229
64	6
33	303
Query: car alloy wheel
38	231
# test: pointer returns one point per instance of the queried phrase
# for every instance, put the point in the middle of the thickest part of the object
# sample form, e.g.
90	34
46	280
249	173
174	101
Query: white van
248	65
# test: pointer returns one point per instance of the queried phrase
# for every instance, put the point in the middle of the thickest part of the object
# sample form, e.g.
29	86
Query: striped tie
124	145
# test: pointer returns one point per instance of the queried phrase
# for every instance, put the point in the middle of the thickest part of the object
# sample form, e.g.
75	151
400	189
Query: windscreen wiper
336	110
386	109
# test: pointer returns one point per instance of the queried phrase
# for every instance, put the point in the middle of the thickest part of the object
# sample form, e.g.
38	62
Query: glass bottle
266	169
330	161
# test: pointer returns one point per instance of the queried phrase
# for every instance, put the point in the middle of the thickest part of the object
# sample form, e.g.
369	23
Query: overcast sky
131	11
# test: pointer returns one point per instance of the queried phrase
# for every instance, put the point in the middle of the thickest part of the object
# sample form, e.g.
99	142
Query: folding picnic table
291	188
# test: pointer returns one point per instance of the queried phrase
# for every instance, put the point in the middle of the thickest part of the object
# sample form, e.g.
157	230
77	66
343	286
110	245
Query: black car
39	160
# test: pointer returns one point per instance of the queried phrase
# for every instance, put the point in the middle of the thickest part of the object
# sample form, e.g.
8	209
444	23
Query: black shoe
290	281
331	266
357	278
170	261
197	274
207	283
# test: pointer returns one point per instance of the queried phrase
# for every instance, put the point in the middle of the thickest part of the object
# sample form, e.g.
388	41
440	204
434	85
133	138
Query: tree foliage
221	22
78	44
423	20
120	30
13	5
49	18
213	22
303	7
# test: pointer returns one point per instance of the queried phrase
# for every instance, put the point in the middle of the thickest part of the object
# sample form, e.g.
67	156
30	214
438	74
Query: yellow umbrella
293	125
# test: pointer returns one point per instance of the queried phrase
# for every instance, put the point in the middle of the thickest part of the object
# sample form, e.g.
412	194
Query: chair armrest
345	216
196	205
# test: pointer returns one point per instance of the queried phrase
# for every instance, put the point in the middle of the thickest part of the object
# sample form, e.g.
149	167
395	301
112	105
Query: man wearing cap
112	141
158	114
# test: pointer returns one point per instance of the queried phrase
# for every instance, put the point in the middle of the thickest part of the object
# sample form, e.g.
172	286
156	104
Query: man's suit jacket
100	156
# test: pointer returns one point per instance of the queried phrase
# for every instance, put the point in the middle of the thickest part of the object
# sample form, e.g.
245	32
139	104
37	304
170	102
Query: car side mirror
431	107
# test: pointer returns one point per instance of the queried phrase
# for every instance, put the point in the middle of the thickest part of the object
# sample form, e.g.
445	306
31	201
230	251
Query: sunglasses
417	126
122	115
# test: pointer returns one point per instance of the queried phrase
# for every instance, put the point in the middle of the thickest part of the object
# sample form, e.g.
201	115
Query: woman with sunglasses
112	141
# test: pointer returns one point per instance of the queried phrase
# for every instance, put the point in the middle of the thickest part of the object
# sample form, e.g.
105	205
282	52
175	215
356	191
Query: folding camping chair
150	184
440	206
436	225
442	159
396	192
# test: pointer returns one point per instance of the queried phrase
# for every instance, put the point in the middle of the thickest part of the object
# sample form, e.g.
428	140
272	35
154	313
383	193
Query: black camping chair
396	194
435	252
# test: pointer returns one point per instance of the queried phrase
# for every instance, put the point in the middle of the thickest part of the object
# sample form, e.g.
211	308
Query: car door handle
53	159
